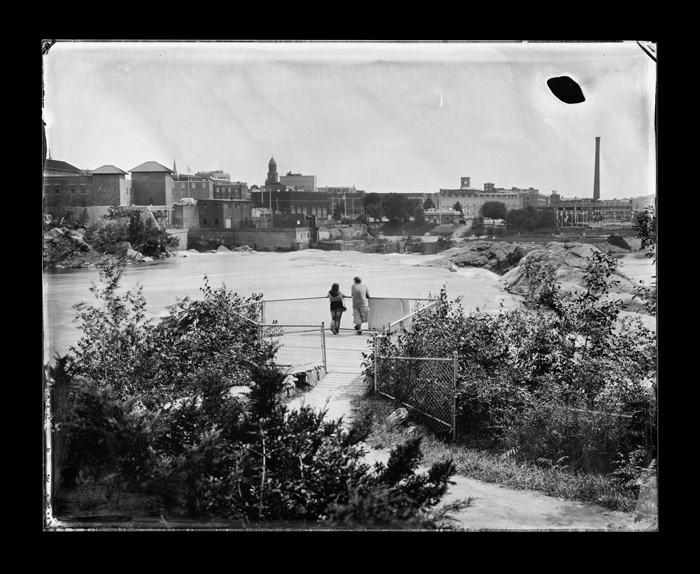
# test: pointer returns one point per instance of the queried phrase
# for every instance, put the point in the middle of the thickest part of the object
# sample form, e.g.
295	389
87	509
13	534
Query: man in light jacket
360	304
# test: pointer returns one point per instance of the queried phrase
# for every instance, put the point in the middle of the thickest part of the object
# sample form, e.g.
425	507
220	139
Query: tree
428	203
547	218
494	210
419	214
458	207
125	224
644	223
516	218
478	225
372	202
397	207
337	212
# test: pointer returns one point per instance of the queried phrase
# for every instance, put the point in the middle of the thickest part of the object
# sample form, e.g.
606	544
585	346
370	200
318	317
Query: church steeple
174	168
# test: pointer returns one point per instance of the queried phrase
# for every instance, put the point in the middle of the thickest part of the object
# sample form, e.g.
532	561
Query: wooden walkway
344	379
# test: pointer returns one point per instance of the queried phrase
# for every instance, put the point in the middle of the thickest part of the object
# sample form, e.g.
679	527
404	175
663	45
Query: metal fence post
454	395
376	361
323	346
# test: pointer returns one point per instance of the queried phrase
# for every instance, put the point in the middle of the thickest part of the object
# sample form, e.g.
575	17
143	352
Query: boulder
120	249
617	240
496	256
223	249
398	417
440	263
77	239
134	255
243	248
570	261
54	233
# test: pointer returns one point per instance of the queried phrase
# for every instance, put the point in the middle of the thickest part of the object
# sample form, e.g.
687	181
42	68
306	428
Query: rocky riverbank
569	259
65	248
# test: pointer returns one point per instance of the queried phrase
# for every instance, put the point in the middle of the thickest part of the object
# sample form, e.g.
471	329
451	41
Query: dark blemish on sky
566	89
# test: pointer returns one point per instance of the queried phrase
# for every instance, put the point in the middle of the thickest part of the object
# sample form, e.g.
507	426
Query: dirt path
497	508
494	507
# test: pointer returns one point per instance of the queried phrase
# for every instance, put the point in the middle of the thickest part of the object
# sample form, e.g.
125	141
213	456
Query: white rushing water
307	273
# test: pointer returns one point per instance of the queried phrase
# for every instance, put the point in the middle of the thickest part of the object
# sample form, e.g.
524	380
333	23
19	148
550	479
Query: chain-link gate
297	345
426	385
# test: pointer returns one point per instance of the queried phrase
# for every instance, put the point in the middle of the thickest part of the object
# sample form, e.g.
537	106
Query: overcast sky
401	117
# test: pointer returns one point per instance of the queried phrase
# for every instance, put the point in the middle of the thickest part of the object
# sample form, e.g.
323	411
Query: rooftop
150	167
60	165
109	169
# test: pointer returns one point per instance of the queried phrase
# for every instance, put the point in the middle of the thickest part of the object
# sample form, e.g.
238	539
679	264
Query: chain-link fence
297	345
426	385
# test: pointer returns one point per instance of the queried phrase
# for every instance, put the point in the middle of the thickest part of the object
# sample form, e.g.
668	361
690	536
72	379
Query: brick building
298	202
152	183
298	182
589	211
231	190
225	213
471	200
107	185
191	186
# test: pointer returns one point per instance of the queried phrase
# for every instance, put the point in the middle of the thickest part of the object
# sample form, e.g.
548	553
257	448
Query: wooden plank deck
343	379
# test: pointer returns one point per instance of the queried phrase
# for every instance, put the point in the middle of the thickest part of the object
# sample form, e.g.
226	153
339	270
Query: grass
371	413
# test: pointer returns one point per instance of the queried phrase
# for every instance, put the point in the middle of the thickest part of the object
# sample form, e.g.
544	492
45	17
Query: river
307	273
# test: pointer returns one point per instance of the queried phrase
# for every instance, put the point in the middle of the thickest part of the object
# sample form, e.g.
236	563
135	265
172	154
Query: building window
204	220
57	189
150	201
72	188
216	221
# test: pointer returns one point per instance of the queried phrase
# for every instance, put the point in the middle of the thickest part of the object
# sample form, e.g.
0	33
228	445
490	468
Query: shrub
150	415
553	380
123	351
123	224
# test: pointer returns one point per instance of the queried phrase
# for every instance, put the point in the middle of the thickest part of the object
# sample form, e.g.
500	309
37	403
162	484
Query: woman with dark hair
337	307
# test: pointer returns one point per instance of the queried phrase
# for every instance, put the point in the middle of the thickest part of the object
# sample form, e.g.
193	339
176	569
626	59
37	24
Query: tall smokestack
596	177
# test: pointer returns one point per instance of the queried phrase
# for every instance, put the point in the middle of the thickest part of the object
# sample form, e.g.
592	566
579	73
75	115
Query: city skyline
401	117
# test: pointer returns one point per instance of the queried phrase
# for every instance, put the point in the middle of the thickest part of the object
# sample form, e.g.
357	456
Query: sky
382	116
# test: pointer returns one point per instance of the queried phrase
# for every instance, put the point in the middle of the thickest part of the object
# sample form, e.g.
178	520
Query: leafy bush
147	412
132	356
123	224
560	378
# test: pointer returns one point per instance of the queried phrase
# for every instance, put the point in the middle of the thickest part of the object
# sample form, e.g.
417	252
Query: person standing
360	304
337	307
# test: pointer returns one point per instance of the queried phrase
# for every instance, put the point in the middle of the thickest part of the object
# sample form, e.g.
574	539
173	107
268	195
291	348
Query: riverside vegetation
557	395
119	235
144	425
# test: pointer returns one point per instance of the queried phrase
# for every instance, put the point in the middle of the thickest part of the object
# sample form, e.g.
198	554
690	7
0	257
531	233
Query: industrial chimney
596	177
